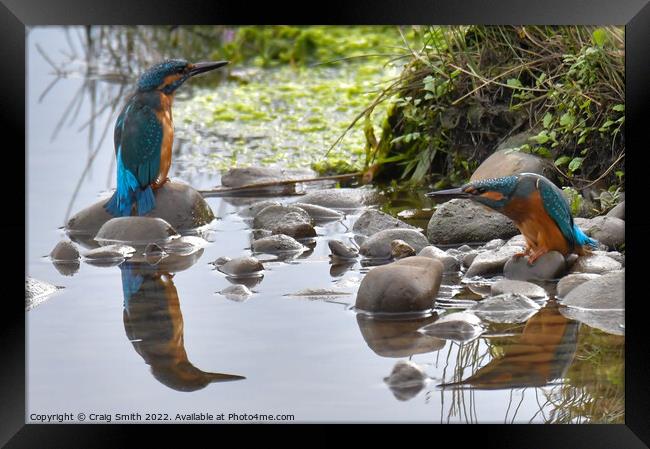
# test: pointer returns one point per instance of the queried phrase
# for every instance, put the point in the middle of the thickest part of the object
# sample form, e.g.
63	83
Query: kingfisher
536	206
144	133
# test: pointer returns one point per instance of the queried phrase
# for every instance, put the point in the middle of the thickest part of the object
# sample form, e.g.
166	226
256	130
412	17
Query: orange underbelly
537	227
165	117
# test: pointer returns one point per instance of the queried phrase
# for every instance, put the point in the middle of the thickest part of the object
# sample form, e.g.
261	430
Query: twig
222	191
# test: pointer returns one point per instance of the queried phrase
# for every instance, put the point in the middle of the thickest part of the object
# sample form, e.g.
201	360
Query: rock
399	249
237	292
462	220
242	267
323	294
599	303
505	162
506	308
278	243
406	380
450	263
408	285
343	199
341	250
524	288
551	265
469	258
618	257
136	231
256	208
221	260
237	177
65	251
178	204
398	338
464	248
604	292
37	292
372	221
109	254
378	245
595	263
609	231
618	211
67	268
289	220
458	326
491	262
185	245
493	245
517	240
320	214
571	281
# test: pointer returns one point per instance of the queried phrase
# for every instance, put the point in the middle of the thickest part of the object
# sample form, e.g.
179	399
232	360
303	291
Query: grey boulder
551	265
378	245
449	262
136	231
506	162
278	243
609	231
242	267
571	281
595	263
342	199
408	285
462	221
372	221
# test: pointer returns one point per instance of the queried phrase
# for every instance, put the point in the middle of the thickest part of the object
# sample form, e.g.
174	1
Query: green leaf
599	36
547	120
543	152
576	163
514	83
562	160
541	138
567	119
582	140
619	107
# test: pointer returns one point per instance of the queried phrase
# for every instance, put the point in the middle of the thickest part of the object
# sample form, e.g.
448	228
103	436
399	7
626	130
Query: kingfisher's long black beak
448	194
202	67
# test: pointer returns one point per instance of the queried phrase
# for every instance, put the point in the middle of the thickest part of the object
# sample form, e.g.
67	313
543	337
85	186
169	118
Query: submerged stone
237	292
256	208
372	221
524	288
341	250
506	308
242	267
458	326
278	243
137	231
343	199
237	177
319	213
406	380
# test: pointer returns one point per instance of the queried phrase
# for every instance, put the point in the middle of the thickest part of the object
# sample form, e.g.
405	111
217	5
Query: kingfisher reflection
541	354
153	322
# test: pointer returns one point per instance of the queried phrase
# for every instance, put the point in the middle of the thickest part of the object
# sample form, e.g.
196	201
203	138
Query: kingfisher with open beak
144	134
536	206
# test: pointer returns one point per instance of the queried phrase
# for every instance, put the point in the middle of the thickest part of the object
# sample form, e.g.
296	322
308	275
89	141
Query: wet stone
399	249
505	162
37	292
289	220
278	243
320	214
221	260
237	177
449	262
178	204
408	285
372	221
551	265
237	293
491	262
378	245
469	258
595	263
256	208
618	211
605	292
343	199
65	251
493	245
406	380
524	288
109	253
462	221
506	308
458	326
242	267
571	281
135	231
185	245
464	248
341	250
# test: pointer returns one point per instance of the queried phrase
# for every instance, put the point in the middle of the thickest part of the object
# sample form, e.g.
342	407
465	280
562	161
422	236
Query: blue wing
557	207
140	137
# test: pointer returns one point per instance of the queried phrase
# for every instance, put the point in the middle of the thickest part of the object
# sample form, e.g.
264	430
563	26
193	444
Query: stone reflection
153	322
541	354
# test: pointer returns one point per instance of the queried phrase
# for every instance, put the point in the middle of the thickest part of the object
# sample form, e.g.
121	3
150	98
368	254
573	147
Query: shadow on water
153	322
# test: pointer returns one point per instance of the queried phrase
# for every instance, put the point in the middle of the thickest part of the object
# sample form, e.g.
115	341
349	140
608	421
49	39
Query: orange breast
165	117
538	228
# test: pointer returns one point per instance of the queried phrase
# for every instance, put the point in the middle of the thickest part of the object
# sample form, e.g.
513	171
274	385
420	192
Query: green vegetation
466	89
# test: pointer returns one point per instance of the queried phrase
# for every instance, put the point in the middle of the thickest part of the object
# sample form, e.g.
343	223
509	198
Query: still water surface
171	347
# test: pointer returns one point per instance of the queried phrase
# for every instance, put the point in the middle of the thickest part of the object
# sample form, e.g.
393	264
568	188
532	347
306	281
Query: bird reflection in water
154	324
540	355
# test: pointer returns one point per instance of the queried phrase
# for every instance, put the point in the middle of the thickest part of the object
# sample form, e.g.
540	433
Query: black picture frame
15	15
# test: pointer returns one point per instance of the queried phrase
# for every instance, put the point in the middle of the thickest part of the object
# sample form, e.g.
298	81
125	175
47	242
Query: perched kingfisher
535	205
144	133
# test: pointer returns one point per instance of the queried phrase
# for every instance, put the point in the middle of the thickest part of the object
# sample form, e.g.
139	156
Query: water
174	347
